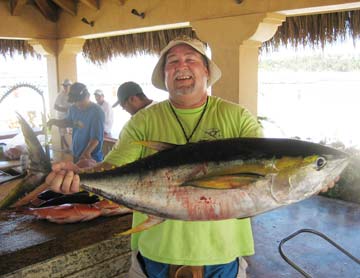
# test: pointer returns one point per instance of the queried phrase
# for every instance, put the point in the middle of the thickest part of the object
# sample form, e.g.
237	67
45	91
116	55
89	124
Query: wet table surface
338	220
25	240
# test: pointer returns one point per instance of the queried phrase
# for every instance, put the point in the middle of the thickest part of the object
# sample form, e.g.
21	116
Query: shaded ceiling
51	9
316	30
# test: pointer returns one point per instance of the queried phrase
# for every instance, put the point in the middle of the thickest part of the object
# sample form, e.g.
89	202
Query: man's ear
207	73
132	99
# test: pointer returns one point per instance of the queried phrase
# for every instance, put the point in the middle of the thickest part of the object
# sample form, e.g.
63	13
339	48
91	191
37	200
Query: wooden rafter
66	5
16	6
94	4
48	9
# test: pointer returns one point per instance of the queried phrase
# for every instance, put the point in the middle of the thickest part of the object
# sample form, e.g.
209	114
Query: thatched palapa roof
11	47
316	30
102	50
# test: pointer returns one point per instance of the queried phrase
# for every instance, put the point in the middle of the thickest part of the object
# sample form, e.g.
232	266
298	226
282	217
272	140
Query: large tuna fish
213	180
222	179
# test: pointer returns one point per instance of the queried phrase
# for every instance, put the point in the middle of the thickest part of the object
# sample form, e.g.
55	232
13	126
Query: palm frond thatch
316	30
102	50
12	47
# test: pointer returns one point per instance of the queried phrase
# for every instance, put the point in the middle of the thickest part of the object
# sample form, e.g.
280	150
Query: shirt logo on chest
213	133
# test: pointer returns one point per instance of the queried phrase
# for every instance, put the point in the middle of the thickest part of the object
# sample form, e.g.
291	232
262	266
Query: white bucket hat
158	72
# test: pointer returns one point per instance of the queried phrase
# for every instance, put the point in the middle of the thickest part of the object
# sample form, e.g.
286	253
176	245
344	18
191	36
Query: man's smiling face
185	71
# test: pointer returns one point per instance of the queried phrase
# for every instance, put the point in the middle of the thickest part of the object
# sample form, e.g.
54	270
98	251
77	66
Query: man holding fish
173	248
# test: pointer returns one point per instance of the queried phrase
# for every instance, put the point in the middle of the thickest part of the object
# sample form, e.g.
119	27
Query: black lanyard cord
197	124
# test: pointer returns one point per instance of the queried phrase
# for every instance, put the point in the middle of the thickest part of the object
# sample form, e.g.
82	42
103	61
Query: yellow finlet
156	145
147	224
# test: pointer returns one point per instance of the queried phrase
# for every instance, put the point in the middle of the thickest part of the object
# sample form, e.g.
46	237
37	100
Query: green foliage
312	63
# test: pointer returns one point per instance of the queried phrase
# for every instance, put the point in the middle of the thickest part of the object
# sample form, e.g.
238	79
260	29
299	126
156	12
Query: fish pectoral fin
156	145
147	224
223	182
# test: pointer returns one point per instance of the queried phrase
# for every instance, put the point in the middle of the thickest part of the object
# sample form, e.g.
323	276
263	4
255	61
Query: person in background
61	107
87	122
132	98
106	107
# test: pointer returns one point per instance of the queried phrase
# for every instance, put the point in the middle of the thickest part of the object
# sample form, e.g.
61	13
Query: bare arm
86	154
60	108
59	123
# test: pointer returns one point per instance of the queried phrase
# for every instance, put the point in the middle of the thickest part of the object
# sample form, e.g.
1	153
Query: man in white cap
208	249
106	107
61	107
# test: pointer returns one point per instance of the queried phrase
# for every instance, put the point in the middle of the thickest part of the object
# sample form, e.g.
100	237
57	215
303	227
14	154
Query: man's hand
85	156
63	178
86	163
50	123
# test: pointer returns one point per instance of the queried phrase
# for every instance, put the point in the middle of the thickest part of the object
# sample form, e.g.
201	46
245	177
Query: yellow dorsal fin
223	182
156	145
147	224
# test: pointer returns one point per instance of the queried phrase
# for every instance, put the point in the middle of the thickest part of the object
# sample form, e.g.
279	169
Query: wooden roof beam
48	9
94	4
66	5
16	6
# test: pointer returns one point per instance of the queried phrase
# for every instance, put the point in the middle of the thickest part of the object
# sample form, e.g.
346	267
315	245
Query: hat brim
116	104
158	78
73	99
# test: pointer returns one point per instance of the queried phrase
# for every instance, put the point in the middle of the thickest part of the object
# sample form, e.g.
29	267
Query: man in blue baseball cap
87	121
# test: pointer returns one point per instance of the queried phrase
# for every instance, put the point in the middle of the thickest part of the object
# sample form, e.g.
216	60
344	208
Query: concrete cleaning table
32	248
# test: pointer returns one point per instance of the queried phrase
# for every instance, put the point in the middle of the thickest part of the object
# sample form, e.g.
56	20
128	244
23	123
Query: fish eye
320	162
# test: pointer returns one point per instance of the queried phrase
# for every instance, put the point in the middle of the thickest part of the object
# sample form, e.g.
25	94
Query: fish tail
39	168
39	160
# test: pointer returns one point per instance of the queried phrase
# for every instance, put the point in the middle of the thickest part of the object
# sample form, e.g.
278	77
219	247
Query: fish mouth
297	187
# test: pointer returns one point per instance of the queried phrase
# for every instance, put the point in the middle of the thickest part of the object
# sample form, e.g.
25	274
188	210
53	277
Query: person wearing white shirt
61	107
106	107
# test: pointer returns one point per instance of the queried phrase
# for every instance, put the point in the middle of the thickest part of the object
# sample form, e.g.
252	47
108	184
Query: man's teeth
183	77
